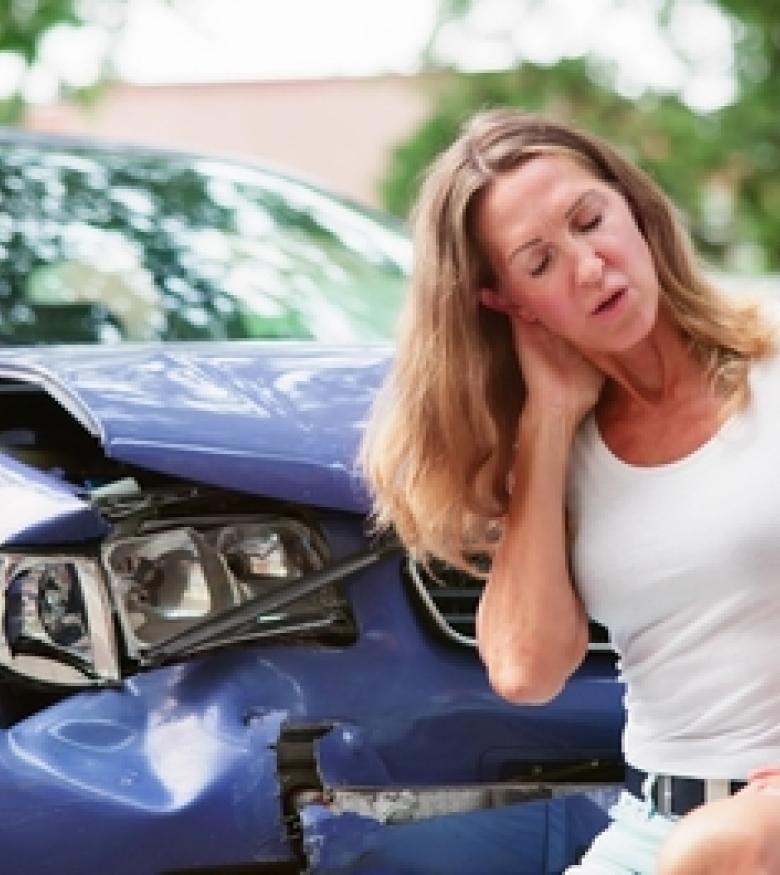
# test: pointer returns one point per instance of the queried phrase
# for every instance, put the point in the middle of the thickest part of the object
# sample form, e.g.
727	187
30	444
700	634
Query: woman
573	398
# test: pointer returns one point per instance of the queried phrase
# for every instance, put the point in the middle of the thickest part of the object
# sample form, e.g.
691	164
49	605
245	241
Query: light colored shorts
630	845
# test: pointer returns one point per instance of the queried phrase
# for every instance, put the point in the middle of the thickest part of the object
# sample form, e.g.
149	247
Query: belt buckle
716	788
664	794
666	803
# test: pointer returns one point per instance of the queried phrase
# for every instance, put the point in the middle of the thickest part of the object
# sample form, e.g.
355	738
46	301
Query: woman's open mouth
611	303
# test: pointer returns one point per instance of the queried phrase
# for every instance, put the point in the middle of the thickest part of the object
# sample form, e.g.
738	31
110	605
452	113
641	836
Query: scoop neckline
709	446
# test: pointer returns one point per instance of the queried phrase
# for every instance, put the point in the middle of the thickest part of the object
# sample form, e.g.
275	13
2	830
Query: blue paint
278	418
163	773
177	767
41	509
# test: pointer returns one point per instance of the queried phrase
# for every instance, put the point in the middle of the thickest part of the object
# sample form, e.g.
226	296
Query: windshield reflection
106	246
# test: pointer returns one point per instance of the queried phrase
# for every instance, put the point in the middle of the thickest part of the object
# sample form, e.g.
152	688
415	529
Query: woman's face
567	252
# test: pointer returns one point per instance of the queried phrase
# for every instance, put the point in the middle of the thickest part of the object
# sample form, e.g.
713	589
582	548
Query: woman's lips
611	303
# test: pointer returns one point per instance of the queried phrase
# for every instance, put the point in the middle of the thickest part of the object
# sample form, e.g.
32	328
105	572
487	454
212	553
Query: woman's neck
653	373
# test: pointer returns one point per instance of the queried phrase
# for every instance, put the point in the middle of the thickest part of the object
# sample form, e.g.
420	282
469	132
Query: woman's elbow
522	687
535	681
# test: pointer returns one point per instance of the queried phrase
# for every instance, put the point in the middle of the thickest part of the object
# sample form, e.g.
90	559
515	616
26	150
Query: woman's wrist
545	422
543	448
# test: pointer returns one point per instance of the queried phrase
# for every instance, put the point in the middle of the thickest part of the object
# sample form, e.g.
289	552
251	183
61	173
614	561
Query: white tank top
682	563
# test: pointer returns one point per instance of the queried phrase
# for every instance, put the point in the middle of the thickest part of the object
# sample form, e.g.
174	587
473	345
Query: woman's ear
496	301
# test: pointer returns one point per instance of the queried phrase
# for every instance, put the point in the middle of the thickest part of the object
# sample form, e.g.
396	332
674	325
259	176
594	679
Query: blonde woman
572	397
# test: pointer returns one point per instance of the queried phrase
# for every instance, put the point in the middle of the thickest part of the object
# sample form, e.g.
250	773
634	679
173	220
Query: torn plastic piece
125	487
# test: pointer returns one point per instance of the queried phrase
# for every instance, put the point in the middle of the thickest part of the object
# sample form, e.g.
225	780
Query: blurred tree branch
720	167
24	26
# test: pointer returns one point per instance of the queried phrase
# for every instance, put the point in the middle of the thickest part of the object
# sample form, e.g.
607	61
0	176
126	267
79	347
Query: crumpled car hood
275	418
37	509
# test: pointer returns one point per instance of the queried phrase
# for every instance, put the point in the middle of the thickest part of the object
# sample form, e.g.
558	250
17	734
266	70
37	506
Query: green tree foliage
720	168
25	23
751	125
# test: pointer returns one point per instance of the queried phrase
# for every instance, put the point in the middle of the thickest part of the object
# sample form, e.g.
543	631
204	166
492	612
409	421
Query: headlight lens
57	620
166	581
57	612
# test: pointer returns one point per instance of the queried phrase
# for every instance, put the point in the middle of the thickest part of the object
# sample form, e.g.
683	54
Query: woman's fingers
764	773
554	371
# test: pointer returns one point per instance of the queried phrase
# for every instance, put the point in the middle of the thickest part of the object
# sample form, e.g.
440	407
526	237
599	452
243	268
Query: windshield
109	246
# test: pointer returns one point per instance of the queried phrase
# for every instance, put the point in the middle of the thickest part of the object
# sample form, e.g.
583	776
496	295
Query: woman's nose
589	266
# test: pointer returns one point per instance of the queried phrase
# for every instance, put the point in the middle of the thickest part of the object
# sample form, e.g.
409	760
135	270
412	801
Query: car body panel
177	765
531	838
173	769
274	418
41	509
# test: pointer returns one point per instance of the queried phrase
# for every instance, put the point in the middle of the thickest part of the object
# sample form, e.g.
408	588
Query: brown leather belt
676	795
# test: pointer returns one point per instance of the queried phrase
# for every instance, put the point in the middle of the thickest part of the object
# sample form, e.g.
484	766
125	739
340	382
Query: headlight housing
60	612
166	581
57	620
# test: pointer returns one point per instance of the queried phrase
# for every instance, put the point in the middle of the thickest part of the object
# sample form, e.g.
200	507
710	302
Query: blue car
207	663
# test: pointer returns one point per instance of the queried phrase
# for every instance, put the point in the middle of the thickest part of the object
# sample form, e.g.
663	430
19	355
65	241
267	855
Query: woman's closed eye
541	263
590	223
542	260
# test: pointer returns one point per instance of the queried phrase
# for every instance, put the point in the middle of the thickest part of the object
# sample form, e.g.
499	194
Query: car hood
42	510
273	418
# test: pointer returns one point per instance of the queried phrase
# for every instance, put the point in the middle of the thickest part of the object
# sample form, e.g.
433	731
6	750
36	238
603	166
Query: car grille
449	598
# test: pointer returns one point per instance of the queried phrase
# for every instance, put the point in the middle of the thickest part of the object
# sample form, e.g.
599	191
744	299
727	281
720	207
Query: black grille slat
451	599
460	619
443	595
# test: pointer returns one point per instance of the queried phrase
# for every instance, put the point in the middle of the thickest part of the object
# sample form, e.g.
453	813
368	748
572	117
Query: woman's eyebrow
568	214
576	205
522	246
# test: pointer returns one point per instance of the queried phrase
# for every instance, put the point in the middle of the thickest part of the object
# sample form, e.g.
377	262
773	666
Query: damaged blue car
207	665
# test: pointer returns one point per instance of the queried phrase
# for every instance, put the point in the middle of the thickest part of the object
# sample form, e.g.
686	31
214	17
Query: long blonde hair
439	445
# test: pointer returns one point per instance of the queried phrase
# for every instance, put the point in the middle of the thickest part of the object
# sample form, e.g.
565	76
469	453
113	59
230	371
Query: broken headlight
168	580
59	613
57	620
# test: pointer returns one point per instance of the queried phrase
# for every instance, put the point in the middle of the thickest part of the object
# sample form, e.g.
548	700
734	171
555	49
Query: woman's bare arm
532	630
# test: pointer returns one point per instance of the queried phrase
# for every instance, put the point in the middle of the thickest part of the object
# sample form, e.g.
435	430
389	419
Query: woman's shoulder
769	306
767	326
767	368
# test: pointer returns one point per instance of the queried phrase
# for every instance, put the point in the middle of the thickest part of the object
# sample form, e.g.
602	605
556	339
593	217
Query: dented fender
357	821
176	768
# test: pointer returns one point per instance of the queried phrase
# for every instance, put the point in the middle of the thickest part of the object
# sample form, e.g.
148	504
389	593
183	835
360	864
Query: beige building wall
337	132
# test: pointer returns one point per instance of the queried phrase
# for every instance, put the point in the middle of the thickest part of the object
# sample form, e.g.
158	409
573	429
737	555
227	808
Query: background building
337	131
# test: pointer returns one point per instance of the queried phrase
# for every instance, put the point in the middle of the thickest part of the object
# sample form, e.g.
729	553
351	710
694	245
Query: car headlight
57	620
164	582
58	612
